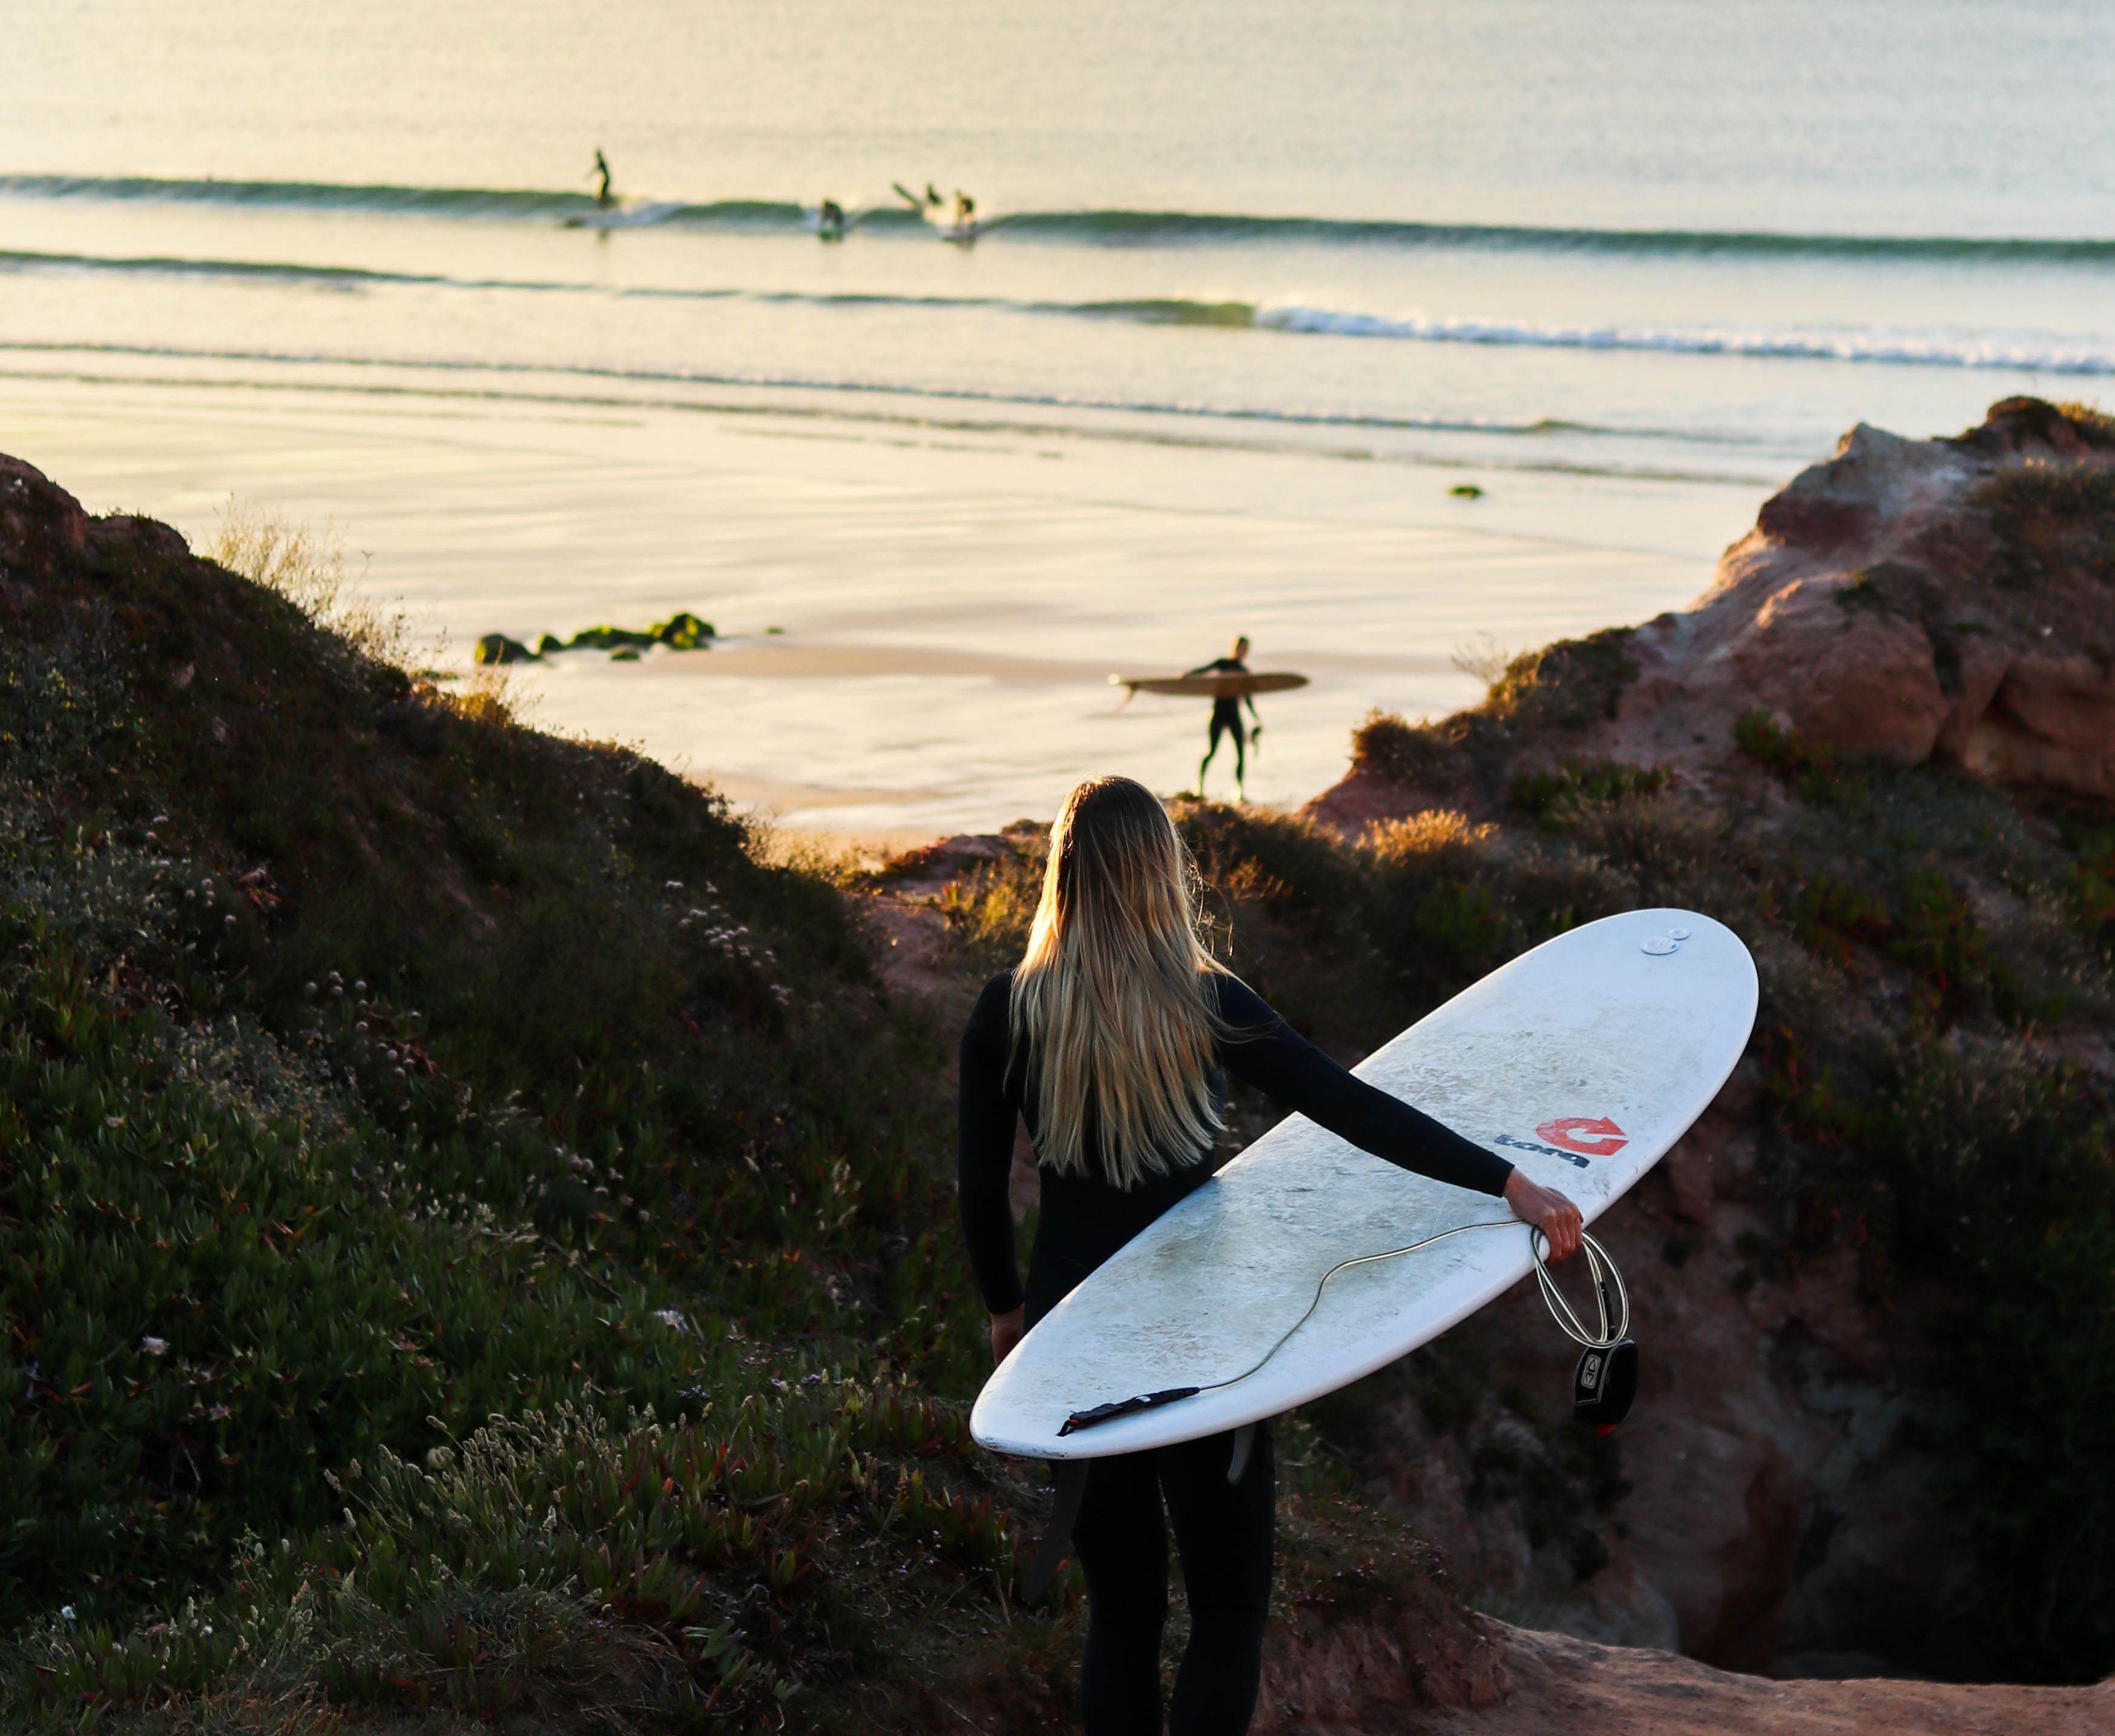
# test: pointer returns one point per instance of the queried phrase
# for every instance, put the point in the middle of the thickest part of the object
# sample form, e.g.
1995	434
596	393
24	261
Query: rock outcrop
1910	599
1948	600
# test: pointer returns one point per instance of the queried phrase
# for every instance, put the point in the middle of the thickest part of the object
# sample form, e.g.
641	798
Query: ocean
1256	288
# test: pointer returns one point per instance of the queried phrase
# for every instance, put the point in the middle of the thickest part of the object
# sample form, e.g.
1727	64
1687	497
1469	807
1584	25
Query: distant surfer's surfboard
1210	687
1582	1062
632	214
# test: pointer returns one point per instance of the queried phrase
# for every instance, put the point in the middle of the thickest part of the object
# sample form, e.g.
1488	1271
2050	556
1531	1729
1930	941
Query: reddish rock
1949	599
1860	679
1886	605
2050	721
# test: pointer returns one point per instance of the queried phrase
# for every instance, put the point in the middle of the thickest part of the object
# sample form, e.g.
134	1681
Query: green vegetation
1556	797
373	1067
471	1241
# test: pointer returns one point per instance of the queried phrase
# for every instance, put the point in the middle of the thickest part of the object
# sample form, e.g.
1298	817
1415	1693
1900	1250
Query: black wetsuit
1224	1531
1225	716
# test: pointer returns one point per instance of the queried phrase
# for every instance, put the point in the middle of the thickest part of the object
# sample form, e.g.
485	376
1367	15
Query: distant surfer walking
604	198
1113	1040
1227	718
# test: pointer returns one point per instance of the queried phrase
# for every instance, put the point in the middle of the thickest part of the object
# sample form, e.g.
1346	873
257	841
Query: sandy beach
951	599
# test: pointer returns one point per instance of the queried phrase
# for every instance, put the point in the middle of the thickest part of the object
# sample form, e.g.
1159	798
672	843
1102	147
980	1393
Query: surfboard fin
1109	1413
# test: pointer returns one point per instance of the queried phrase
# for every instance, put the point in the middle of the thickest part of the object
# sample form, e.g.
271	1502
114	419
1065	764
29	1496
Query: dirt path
1581	1689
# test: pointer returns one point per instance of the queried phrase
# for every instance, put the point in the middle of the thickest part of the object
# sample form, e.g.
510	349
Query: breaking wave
1112	228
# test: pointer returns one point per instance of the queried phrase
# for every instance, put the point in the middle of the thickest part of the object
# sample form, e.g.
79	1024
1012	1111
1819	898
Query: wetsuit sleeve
984	1150
1267	1053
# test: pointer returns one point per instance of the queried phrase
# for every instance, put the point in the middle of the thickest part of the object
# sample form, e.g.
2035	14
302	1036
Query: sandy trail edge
1585	1689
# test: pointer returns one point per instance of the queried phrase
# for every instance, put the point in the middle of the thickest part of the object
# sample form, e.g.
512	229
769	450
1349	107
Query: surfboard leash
1610	1298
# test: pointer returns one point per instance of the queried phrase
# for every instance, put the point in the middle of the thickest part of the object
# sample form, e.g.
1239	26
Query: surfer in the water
604	198
830	221
1112	1040
1226	719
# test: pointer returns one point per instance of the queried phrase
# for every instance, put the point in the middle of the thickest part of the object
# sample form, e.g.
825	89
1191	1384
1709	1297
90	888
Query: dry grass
1486	657
2095	426
307	565
1437	835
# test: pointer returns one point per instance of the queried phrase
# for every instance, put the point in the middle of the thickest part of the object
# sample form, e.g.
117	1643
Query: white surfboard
1581	1062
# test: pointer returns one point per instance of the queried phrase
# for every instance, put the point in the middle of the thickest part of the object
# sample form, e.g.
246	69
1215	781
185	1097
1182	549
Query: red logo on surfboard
1590	1136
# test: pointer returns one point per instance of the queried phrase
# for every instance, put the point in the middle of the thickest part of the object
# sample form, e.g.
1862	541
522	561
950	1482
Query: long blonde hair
1109	1000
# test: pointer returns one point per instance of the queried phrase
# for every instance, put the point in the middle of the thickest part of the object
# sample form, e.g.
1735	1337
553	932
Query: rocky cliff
1947	601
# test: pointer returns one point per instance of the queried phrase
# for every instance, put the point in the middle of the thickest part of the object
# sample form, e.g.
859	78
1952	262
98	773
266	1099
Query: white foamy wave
2021	353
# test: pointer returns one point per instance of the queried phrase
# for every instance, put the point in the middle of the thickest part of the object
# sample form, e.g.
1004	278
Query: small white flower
154	1347
66	1611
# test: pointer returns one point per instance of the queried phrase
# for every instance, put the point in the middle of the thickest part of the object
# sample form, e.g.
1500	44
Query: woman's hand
1007	1329
1545	1208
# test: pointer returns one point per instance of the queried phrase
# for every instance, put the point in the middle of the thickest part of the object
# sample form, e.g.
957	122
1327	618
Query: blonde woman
1112	1039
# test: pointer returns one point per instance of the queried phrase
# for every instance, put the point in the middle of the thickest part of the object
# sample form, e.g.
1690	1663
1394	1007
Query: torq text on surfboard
1608	1139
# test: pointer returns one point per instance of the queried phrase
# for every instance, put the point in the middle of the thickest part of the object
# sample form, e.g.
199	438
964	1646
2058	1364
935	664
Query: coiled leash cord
1609	1296
1602	1386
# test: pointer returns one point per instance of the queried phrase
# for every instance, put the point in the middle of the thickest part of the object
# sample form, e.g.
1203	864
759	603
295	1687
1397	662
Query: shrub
1567	684
1817	772
2051	520
1553	796
1386	747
